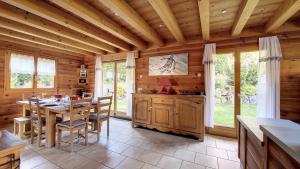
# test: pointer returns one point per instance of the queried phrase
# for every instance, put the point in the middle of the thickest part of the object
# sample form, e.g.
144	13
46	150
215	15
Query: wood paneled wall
194	81
290	71
67	78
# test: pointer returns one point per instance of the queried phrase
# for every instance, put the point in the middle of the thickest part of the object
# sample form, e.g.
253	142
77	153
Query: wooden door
188	115
142	110
162	115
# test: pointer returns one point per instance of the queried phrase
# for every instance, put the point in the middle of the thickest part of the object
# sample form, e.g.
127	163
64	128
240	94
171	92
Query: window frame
7	73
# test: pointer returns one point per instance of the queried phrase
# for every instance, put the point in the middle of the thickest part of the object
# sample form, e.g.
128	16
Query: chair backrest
34	108
104	105
80	109
87	95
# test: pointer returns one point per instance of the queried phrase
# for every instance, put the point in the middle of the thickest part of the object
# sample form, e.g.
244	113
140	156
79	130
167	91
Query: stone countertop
286	137
253	124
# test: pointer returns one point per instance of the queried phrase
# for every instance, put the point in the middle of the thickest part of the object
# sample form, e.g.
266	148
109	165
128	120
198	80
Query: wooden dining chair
87	95
79	117
38	120
101	114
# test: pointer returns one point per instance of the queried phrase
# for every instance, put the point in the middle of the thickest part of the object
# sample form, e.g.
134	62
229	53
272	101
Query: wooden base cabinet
175	113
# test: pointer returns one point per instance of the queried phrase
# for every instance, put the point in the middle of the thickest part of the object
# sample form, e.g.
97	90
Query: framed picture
175	64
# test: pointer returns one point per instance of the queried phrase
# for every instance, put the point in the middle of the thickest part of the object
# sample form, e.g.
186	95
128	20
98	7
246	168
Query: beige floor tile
99	155
189	165
167	162
197	147
133	152
212	151
73	161
33	162
113	159
118	147
46	165
227	164
205	160
233	156
129	163
185	155
150	157
28	154
225	145
90	164
148	166
55	155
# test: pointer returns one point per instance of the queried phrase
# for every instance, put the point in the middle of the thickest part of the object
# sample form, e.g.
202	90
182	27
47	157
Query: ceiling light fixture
223	11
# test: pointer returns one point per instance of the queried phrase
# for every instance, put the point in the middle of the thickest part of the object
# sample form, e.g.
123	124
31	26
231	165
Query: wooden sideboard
181	114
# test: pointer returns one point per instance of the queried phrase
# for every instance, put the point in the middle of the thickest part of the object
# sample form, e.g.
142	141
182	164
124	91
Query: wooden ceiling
90	27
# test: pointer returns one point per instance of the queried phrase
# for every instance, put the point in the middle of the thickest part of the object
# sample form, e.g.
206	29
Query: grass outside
224	113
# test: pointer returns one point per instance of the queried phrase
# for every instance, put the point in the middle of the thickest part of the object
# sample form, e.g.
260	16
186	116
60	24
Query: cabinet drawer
162	101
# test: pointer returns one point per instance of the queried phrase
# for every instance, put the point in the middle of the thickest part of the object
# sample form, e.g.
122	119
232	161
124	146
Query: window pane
46	71
45	81
22	70
108	80
121	87
224	109
21	80
249	79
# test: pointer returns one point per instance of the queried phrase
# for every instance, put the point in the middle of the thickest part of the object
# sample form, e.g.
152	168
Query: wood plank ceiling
94	27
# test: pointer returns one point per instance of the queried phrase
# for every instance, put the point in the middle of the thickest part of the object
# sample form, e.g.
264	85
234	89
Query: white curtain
46	67
98	78
209	69
268	89
21	64
130	81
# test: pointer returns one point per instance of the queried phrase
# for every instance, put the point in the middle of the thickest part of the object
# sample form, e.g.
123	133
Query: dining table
51	109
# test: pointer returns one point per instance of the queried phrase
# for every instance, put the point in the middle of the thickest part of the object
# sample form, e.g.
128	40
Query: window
30	72
22	71
45	73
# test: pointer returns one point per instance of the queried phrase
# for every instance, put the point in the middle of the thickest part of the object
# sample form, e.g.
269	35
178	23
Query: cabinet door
162	115
189	116
142	110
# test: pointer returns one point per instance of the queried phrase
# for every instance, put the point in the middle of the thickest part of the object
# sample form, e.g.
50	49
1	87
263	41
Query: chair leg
86	134
58	137
98	130
31	134
21	127
78	135
71	141
15	127
107	127
40	135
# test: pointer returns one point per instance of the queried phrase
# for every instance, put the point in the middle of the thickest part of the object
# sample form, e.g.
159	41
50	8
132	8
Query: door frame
232	131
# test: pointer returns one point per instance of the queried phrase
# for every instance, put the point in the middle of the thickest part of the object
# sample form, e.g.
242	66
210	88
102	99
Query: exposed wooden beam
40	41
203	6
37	22
244	13
129	15
90	14
18	27
287	10
164	11
49	12
34	45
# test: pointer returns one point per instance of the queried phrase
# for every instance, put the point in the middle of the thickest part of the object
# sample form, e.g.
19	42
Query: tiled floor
135	148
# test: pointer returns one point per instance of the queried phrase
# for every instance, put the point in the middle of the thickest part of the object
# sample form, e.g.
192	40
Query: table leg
50	128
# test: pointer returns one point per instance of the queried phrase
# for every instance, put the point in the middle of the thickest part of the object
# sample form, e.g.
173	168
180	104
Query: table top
253	124
286	137
57	107
9	143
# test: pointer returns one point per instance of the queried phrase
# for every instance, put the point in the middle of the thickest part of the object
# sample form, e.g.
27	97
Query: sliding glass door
235	88
114	84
